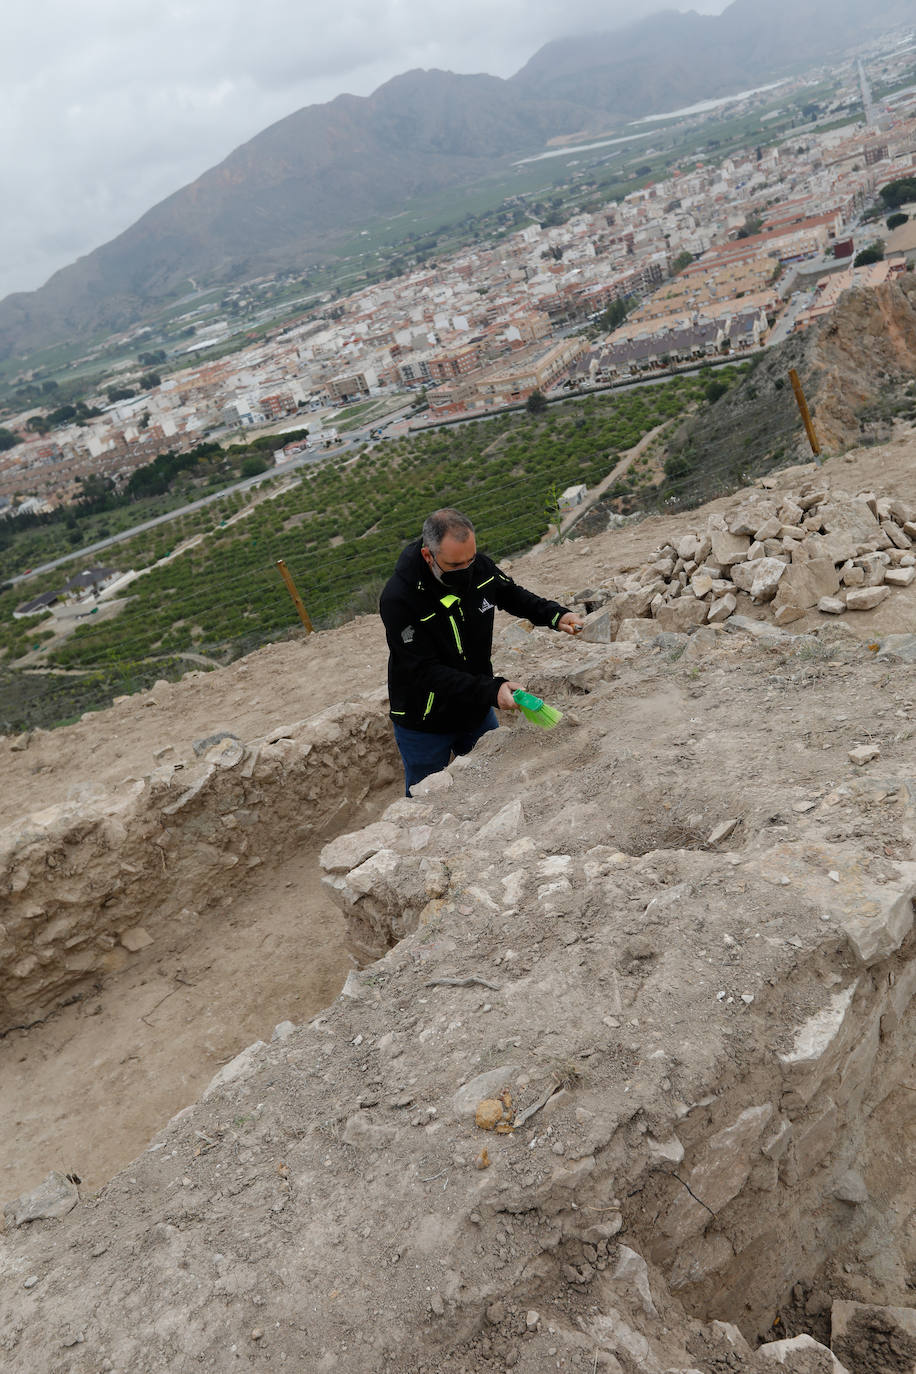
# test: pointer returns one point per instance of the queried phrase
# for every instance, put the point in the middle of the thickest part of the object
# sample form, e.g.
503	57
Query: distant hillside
856	368
672	59
280	200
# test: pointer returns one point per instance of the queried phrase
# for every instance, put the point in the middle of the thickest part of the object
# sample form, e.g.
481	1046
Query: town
716	260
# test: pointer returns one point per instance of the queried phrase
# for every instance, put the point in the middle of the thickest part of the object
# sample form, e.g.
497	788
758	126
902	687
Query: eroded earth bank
669	945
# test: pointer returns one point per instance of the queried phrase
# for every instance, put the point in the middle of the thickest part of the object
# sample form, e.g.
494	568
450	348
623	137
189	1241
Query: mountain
671	59
281	200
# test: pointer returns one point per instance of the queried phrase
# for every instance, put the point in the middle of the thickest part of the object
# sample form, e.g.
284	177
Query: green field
340	529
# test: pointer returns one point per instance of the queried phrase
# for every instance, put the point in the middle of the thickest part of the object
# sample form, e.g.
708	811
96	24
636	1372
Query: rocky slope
665	950
856	369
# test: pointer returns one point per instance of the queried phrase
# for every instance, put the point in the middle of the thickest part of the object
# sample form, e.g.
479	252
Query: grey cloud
107	107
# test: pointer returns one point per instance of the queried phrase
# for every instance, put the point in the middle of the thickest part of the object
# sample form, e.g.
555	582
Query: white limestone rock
865	598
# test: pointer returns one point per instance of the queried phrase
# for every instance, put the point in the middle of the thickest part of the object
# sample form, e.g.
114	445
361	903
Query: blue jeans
423	753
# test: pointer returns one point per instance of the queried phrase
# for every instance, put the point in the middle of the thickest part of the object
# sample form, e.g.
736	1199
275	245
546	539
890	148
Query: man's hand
571	623
504	700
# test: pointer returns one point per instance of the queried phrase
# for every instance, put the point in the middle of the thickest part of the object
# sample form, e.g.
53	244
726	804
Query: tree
895	221
682	260
898	192
536	402
253	465
873	253
8	439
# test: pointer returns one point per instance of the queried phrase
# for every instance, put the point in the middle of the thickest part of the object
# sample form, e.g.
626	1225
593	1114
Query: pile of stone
795	550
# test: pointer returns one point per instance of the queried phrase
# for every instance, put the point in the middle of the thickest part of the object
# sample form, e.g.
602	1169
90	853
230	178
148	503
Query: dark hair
443	522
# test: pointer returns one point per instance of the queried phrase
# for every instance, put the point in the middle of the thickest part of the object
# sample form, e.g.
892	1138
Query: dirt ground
94	1082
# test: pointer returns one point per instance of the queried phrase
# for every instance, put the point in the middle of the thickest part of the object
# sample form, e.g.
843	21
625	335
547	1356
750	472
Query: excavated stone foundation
92	881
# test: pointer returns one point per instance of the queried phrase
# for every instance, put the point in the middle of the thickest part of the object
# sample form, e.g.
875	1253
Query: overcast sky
108	106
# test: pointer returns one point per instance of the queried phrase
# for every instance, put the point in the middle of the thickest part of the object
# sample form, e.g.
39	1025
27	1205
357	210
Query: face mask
459	580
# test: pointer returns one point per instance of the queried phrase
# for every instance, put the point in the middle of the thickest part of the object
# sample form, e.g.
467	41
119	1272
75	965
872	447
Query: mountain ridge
281	199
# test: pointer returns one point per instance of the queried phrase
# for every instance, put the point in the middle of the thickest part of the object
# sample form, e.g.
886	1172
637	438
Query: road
356	437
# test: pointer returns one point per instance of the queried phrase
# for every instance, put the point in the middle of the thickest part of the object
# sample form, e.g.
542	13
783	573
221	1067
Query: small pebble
31	1281
257	1333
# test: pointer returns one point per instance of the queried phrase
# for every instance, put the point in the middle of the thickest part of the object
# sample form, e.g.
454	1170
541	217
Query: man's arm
509	596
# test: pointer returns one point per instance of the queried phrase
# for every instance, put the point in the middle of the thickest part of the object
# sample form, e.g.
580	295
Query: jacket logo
407	634
486	605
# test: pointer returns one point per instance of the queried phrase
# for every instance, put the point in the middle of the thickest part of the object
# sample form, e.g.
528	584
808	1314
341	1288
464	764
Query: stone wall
88	881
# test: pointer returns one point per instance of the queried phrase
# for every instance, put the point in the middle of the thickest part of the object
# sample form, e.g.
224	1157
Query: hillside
676	930
283	200
673	60
856	369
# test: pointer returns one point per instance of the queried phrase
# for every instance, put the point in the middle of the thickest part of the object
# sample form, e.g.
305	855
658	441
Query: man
438	611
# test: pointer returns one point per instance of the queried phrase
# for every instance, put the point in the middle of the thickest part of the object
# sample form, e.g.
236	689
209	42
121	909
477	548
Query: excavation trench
157	932
151	937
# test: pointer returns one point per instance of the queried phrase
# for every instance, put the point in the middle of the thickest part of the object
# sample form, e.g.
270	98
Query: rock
803	584
436	782
235	1069
721	831
669	1151
205	744
722	609
729	548
864	753
282	1031
767	574
484	1085
850	1187
757	629
795	1356
20	742
54	1198
682	614
363	1133
900	577
720	1172
632	1272
226	754
768	530
865	598
900	648
874	566
505	825
350	850
600	626
784	615
831	605
850	517
517	635
895	534
637	631
488	1114
880	924
135	939
859	1330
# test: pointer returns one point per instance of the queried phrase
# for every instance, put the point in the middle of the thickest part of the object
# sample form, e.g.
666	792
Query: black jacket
440	677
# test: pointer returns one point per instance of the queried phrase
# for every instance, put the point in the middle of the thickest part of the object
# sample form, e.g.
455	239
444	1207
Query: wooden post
805	413
297	599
